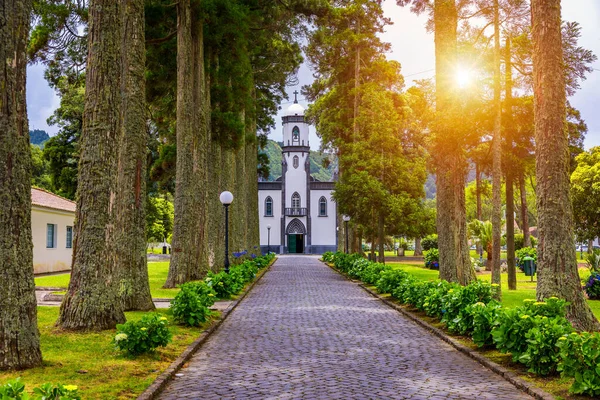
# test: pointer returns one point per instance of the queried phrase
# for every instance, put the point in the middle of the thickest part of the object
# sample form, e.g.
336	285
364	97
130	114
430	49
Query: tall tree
557	260
92	300
19	336
130	227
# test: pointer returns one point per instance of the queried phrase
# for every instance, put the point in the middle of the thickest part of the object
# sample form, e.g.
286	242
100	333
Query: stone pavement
305	332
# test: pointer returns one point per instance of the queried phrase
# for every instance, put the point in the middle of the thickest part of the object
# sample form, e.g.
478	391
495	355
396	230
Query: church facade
297	213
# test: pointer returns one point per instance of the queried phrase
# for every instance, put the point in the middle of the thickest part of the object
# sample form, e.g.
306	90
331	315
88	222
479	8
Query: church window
296	161
296	200
322	207
296	134
268	207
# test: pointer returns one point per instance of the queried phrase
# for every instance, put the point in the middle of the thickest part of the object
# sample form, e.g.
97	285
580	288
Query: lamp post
226	199
346	218
269	238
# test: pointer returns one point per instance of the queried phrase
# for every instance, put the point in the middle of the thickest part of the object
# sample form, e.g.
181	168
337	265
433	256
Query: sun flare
463	77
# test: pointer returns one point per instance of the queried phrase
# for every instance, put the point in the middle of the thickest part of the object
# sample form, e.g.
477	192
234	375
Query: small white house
52	228
297	213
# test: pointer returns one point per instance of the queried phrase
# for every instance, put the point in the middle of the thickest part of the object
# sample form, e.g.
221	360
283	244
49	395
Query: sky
412	46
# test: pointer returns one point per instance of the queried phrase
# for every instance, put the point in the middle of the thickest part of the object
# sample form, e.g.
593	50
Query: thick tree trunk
19	336
418	247
130	255
92	299
510	196
381	237
497	159
189	258
524	211
455	261
478	197
252	225
557	261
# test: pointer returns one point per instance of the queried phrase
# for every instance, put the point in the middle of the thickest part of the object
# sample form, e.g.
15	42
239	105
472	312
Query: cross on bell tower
295	97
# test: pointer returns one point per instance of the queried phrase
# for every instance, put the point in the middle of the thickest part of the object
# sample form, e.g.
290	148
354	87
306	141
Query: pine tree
19	336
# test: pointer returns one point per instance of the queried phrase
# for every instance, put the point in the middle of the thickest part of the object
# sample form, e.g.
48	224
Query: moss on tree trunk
557	261
92	300
19	336
130	255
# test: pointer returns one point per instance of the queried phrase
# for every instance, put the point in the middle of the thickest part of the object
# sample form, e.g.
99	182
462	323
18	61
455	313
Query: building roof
294	109
46	199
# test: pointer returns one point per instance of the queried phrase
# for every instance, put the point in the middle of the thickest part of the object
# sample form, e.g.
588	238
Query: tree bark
189	259
130	253
381	237
92	299
19	336
449	158
418	247
557	261
510	196
524	211
478	197
497	159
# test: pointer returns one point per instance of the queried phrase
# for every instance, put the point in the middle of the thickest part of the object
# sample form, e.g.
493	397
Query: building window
295	134
69	237
296	200
322	207
51	236
296	161
268	207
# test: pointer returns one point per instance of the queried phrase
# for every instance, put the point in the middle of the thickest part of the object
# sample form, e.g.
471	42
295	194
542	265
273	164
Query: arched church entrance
296	234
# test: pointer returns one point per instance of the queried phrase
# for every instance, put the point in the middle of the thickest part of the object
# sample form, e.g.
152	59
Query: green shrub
344	262
328	256
403	287
483	317
512	324
432	259
143	336
592	286
579	359
593	261
542	354
416	293
454	305
15	390
430	242
357	267
434	298
519	239
190	305
390	279
525	252
372	272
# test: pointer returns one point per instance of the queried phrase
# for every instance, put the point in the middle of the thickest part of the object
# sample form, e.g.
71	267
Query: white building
52	222
298	209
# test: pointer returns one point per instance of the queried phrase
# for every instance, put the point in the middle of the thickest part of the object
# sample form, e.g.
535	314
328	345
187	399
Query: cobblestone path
305	332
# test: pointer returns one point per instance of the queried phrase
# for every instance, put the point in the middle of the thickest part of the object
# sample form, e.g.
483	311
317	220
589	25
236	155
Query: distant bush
525	252
430	242
432	259
520	239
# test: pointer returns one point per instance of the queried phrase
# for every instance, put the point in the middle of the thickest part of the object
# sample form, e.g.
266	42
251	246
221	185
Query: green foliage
454	305
38	137
580	359
190	306
430	242
432	258
519	240
227	284
592	286
481	232
15	390
390	279
344	262
433	302
372	272
593	260
143	336
483	316
585	194
525	252
160	214
328	256
541	355
39	169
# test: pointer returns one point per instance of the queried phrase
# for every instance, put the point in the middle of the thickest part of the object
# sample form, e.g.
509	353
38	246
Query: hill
317	160
38	137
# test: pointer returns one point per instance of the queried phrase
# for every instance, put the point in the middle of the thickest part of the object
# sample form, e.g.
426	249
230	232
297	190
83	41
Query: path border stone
161	381
509	376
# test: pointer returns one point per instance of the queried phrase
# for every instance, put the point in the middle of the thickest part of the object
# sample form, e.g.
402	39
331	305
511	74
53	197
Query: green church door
295	244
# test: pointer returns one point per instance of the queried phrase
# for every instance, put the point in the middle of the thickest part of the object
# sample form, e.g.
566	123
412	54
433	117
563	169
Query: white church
297	212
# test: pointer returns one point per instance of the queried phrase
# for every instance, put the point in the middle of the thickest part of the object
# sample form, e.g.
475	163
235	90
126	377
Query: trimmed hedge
536	334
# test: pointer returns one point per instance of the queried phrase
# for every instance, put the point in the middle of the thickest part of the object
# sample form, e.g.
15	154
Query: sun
463	77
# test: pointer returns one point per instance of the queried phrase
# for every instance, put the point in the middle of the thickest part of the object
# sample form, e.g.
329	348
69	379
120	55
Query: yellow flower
528	301
425	304
451	290
71	388
480	304
163	318
211	295
574	334
143	329
524	316
495	285
540	303
562	338
553	298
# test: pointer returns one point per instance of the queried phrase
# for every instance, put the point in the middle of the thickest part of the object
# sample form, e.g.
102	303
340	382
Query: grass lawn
157	274
90	361
510	298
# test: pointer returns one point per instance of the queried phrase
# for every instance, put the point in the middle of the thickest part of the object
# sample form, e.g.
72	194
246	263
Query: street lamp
269	238
346	218
226	199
